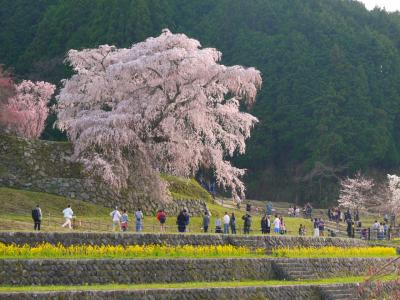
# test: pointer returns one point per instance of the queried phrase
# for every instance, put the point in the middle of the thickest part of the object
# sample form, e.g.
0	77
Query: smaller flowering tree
25	113
7	87
355	192
394	194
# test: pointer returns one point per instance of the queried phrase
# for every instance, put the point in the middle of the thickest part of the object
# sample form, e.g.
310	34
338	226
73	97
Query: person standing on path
232	223
218	224
162	218
268	223
181	222
247	223
206	221
139	220
187	220
116	219
269	208
124	221
226	223
68	214
277	224
37	217
264	224
316	227
321	227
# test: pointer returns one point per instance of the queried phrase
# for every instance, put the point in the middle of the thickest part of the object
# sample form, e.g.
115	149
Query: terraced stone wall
79	238
287	292
45	166
70	272
136	271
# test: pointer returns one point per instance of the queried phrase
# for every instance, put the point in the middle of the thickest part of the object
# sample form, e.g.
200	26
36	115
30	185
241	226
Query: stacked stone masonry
267	242
293	292
45	166
136	271
287	292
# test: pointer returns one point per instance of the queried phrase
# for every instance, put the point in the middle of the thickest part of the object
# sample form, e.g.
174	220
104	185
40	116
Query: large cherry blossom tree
167	97
25	112
355	193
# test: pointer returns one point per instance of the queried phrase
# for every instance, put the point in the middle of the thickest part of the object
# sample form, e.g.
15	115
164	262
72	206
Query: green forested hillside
330	102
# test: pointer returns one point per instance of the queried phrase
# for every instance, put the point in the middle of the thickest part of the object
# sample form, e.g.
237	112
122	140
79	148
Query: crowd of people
227	224
294	211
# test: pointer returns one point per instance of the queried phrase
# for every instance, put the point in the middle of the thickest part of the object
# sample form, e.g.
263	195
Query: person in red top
161	217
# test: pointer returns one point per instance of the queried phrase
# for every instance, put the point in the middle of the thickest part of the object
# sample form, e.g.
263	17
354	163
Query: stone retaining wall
79	238
309	292
102	271
136	271
297	292
45	166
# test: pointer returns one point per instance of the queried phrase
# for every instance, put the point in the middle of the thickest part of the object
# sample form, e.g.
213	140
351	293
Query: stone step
339	292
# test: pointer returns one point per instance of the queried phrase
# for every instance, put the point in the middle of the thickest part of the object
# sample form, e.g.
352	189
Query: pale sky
389	5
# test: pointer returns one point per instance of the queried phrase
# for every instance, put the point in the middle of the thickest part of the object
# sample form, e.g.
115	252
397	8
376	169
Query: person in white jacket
116	219
226	223
68	214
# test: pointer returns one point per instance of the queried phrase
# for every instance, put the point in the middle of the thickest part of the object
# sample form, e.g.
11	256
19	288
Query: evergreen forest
330	101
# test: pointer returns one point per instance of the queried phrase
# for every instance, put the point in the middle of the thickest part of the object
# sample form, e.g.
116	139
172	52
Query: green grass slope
16	206
185	188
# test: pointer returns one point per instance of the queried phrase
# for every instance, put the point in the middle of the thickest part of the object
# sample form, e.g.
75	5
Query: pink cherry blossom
25	113
167	97
355	192
393	202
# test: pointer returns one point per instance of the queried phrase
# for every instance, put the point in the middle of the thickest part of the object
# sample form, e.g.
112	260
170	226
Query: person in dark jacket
181	221
232	223
206	221
187	219
268	225
37	217
247	223
264	225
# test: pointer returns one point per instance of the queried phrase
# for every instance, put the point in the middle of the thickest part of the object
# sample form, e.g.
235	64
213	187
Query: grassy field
105	287
16	206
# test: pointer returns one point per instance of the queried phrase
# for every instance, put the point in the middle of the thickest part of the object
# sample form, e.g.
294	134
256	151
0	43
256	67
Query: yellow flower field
46	250
331	251
134	251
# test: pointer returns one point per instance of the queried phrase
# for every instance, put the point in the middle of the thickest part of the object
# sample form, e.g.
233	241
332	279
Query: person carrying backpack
162	218
37	217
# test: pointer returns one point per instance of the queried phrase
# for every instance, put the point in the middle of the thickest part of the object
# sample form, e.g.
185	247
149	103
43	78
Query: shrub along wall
79	238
